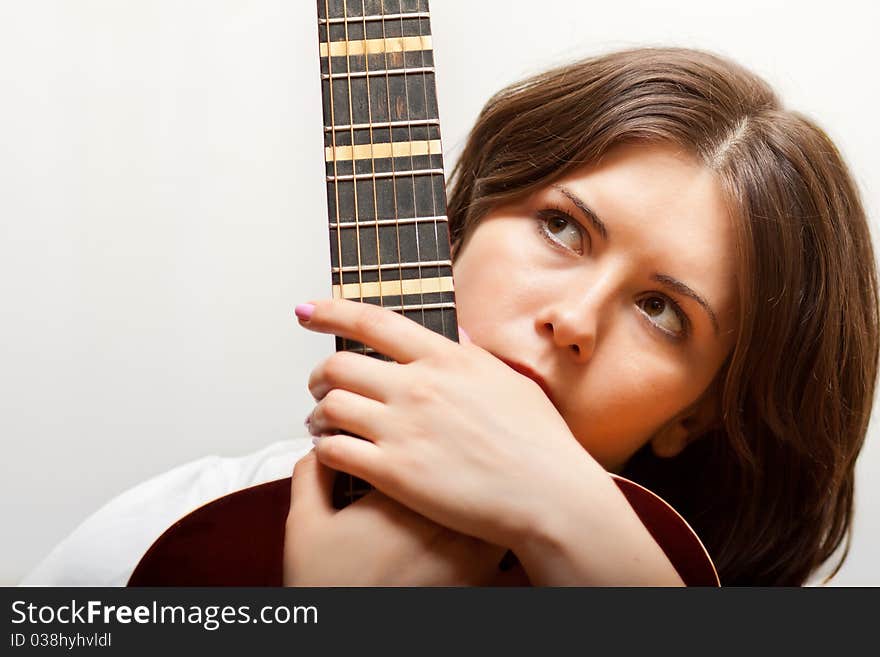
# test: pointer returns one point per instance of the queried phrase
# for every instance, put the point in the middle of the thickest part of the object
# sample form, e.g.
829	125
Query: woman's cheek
619	407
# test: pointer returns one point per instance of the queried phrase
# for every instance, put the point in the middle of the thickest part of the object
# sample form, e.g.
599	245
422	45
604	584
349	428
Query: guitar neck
389	236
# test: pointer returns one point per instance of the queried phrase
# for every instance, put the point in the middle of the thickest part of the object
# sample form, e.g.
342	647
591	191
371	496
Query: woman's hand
451	431
374	541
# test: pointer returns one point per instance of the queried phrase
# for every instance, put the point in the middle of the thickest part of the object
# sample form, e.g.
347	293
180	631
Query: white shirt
105	549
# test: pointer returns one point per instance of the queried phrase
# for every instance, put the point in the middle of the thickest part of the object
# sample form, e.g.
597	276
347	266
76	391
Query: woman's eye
559	227
664	313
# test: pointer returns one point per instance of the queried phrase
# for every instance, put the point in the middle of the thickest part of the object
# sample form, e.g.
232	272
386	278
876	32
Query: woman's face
608	321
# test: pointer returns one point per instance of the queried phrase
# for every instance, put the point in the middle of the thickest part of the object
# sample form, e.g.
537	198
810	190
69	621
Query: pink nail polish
304	311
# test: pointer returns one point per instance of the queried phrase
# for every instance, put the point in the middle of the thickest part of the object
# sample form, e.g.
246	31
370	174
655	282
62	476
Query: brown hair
769	486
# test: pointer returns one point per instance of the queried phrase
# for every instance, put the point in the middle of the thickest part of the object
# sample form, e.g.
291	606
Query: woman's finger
311	488
353	455
384	330
342	410
365	376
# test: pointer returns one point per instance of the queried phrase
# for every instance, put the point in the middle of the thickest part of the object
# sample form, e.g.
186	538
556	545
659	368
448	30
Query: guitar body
389	246
238	540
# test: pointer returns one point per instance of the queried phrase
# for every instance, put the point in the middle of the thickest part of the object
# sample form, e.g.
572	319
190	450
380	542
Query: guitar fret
396	135
387	222
383	124
362	276
376	73
361	349
358	63
386	174
373	18
392	265
421	306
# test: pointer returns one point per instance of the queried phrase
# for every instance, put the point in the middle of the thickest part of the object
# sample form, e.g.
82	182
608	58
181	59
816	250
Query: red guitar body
238	540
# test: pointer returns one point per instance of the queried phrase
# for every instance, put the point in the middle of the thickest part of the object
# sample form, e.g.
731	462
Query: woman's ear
687	426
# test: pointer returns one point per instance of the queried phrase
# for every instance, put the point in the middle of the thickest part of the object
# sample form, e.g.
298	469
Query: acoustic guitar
389	245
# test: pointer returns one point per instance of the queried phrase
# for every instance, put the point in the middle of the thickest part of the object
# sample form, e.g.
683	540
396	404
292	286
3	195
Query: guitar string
431	179
412	177
372	153
357	228
350	479
393	179
332	107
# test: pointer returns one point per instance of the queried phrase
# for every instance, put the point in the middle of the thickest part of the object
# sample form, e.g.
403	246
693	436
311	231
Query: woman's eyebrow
663	279
681	288
588	213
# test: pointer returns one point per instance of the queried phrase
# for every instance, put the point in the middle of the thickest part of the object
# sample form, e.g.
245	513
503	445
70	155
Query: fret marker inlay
375	151
393	288
376	46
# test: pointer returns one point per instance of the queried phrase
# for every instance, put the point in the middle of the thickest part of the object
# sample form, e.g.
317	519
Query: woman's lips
525	370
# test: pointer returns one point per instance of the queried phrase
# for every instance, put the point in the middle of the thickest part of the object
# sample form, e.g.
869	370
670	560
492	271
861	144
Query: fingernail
462	335
316	440
304	311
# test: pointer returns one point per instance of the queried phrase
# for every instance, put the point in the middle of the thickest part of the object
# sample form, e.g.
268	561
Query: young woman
685	269
659	272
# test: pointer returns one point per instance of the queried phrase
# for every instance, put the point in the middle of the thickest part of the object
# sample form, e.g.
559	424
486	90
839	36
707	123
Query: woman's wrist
587	534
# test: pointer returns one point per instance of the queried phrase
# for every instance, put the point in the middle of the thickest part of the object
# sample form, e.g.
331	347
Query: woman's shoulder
104	549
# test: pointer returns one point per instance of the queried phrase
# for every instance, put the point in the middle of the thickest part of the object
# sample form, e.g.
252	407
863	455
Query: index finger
386	331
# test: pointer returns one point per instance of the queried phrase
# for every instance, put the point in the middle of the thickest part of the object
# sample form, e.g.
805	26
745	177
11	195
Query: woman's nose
576	318
573	328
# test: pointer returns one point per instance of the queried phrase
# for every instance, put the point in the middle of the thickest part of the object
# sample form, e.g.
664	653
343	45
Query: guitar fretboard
389	238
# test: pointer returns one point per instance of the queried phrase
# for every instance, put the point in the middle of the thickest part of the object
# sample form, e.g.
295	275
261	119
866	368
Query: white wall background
162	211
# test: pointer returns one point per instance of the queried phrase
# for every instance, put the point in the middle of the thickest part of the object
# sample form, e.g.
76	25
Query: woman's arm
374	541
590	535
457	436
